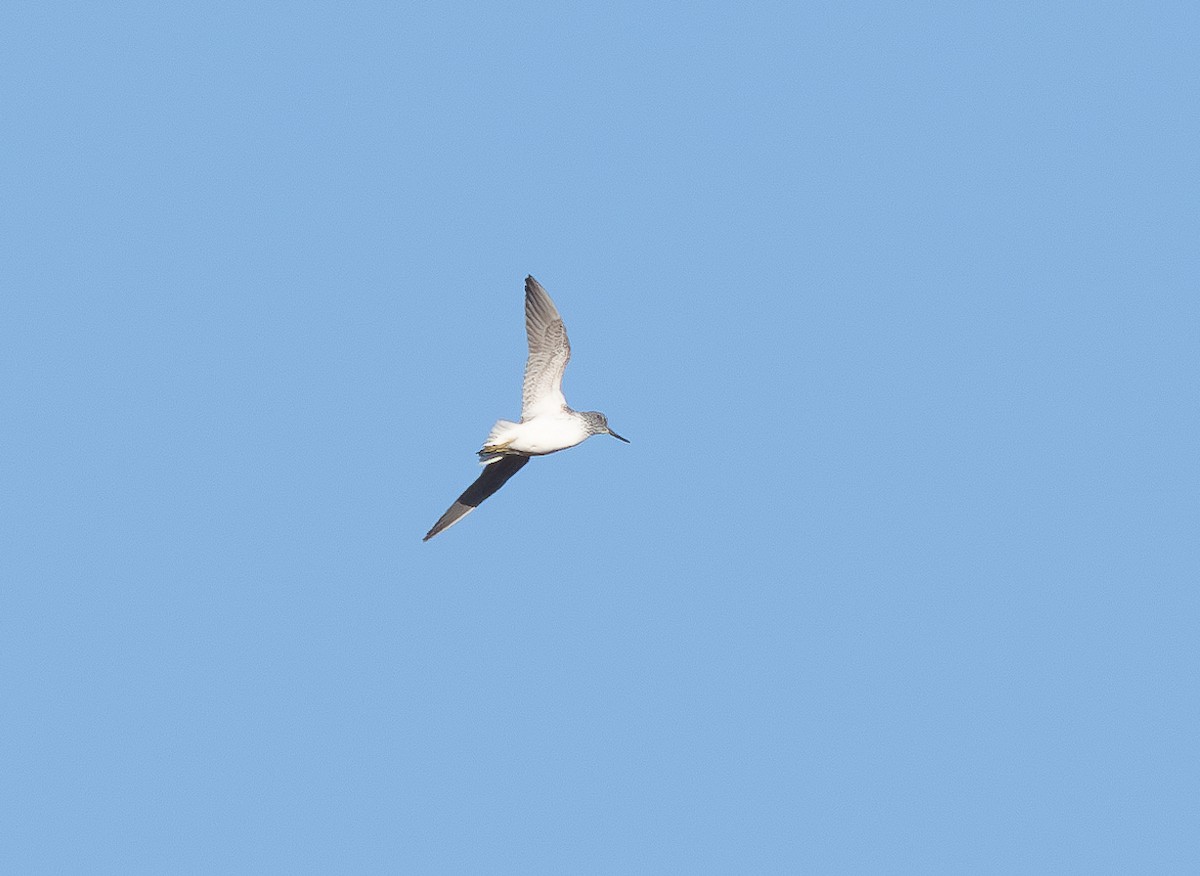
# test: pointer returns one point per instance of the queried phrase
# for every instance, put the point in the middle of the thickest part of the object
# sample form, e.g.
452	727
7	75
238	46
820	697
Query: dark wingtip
494	476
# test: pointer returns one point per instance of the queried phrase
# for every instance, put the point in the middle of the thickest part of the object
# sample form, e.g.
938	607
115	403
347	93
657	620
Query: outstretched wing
549	352
493	478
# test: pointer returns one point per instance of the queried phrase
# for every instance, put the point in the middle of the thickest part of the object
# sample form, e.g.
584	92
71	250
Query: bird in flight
547	424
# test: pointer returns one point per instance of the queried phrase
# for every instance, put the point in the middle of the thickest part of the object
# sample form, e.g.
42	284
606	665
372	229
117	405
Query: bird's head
598	425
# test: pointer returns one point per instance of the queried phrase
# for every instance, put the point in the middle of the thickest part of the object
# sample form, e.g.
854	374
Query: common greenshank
547	424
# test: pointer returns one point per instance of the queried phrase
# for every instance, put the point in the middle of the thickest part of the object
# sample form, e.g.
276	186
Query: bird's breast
548	434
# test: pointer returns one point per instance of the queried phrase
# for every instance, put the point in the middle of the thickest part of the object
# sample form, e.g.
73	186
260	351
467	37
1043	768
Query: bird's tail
497	441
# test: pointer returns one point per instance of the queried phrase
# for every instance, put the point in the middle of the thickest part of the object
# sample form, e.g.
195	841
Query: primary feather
493	478
549	352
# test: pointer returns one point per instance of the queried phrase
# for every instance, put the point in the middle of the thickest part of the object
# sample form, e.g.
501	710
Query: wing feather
549	352
493	478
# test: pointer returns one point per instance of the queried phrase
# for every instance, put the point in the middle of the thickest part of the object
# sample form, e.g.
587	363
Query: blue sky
896	303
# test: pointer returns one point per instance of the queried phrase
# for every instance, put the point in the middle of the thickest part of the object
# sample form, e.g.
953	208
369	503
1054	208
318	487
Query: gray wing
549	352
493	478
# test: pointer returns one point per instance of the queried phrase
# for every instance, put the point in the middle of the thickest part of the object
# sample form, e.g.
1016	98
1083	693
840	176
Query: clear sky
897	303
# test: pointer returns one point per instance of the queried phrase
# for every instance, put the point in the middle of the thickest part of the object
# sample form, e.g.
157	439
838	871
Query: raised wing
493	478
549	352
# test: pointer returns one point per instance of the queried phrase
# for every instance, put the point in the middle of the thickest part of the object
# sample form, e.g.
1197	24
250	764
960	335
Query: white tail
497	440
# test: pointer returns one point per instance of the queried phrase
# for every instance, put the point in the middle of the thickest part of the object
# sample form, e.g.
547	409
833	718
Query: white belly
547	434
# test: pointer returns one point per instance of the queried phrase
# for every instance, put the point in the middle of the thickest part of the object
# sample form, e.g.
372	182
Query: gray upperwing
493	478
549	352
